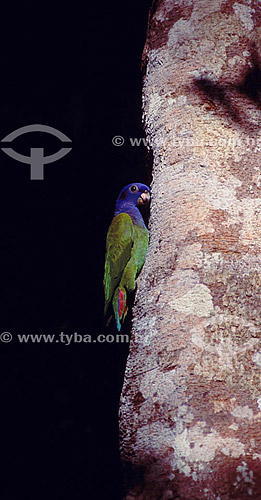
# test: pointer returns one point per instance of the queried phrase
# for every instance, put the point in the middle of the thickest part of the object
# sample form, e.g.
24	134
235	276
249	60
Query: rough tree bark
191	403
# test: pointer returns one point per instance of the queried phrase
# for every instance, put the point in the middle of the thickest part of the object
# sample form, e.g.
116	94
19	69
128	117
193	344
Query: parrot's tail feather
105	309
120	306
118	324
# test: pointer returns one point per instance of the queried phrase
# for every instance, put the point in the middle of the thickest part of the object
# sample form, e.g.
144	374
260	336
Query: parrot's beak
144	198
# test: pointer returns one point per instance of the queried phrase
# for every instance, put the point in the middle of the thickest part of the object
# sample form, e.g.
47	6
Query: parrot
126	247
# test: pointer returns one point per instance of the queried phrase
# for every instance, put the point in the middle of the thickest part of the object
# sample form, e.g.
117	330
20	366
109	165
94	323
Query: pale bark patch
244	13
197	301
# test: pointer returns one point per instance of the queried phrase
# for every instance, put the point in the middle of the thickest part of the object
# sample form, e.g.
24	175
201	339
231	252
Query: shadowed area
225	97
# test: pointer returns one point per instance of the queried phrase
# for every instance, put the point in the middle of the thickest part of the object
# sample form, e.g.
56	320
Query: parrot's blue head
135	194
132	196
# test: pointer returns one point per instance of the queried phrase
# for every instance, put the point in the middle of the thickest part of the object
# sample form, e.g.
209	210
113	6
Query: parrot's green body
126	247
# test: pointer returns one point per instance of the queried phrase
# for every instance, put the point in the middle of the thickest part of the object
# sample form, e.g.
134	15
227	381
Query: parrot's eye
133	188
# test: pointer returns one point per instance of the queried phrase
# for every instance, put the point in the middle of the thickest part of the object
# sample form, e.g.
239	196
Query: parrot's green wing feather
118	251
130	272
137	258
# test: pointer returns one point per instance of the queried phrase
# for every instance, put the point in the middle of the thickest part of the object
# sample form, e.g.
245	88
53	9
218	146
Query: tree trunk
191	403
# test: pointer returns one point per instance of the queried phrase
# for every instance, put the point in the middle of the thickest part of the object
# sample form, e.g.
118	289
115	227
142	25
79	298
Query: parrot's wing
118	251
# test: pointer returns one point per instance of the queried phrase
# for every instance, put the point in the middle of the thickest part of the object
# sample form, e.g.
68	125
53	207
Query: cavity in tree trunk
190	413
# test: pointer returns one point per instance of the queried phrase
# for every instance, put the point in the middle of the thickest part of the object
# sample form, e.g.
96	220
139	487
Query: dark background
79	70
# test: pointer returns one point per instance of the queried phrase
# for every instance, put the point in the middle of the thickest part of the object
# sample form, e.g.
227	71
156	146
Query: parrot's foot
125	313
109	320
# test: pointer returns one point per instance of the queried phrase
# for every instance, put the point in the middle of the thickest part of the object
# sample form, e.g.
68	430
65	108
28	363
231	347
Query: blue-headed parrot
126	247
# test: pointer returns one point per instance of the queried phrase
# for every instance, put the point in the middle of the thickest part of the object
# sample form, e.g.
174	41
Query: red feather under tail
122	308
